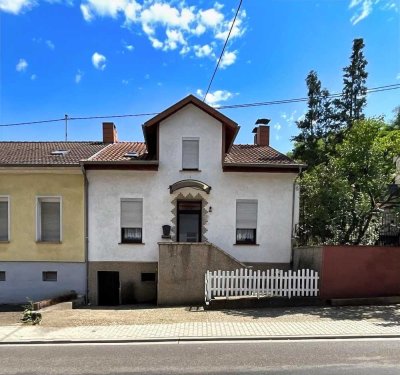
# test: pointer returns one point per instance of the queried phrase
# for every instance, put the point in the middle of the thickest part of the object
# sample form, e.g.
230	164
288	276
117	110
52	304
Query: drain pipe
293	206
86	228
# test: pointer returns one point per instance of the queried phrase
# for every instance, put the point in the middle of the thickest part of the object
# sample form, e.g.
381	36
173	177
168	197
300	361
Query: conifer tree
354	94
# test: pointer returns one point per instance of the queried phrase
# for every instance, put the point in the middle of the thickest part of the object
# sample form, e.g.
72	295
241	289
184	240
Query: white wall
274	192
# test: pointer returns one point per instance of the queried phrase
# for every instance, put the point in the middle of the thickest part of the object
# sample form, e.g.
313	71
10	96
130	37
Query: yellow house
42	219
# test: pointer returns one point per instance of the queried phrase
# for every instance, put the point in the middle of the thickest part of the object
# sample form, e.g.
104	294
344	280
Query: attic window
131	154
59	152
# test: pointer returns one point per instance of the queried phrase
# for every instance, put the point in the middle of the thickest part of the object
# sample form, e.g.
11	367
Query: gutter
86	229
265	165
121	162
293	205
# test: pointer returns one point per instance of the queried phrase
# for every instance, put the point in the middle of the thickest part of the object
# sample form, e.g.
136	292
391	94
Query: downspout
293	205
86	228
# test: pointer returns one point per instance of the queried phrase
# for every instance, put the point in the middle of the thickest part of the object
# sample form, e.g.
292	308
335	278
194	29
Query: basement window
2	275
49	276
148	276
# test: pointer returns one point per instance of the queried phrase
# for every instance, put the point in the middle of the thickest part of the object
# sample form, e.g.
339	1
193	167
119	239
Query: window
4	219
49	276
2	275
49	219
148	276
246	221
131	220
190	153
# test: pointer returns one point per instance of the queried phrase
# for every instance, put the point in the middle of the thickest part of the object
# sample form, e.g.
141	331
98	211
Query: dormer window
59	152
131	154
190	153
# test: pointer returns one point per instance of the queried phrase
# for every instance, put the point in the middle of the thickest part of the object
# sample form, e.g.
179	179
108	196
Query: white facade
277	211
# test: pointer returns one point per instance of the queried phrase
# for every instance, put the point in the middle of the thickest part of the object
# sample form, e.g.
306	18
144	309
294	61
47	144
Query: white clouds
172	25
211	17
78	76
363	8
289	118
129	47
86	13
168	25
202	51
21	66
50	44
214	98
277	126
228	58
33	77
99	61
16	6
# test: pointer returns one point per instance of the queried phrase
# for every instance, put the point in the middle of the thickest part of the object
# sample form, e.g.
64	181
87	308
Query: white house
188	175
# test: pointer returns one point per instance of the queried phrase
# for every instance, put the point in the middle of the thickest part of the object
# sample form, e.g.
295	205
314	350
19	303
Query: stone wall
182	268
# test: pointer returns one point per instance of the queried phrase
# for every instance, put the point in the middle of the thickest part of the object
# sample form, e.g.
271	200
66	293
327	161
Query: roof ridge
51	142
95	154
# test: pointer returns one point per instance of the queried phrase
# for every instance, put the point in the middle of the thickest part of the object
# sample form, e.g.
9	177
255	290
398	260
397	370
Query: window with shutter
4	219
131	220
49	219
190	153
246	221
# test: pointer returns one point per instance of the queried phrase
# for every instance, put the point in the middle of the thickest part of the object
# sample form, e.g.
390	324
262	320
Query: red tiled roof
39	153
116	152
253	154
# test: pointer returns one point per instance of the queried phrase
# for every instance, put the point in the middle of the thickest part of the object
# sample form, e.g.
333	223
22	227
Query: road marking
201	342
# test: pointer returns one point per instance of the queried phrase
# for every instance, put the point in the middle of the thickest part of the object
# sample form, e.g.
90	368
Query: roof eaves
265	165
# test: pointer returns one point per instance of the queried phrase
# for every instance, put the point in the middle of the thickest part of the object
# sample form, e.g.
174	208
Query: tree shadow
386	316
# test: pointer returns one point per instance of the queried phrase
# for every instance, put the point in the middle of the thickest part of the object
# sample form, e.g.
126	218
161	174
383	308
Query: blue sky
103	57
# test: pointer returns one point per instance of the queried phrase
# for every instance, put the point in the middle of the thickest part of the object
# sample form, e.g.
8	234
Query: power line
233	106
223	50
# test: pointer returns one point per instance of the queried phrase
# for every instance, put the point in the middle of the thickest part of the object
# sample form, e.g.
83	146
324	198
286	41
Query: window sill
4	242
131	243
190	170
49	242
246	244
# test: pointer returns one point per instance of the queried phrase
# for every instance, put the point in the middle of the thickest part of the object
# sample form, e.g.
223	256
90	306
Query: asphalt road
274	357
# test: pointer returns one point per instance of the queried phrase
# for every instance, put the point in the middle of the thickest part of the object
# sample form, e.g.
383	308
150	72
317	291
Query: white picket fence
270	283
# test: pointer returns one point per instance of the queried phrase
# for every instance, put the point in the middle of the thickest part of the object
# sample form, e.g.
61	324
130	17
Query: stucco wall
274	192
360	271
133	290
181	271
23	188
24	280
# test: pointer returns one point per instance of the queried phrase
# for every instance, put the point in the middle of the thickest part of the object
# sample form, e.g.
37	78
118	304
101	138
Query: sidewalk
201	331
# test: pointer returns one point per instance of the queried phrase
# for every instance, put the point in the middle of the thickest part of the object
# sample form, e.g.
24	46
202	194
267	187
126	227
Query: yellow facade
23	187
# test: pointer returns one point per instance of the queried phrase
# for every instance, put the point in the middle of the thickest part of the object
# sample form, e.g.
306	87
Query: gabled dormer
190	141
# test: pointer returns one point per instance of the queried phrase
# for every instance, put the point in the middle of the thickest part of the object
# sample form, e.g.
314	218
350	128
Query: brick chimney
261	132
109	133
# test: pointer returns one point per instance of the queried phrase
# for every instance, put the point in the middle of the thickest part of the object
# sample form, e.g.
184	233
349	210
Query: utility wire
233	106
223	50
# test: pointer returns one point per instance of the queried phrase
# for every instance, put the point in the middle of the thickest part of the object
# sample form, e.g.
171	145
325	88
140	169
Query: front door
189	221
108	287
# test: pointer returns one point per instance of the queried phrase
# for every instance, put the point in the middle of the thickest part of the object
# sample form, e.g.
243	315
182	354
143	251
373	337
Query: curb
200	339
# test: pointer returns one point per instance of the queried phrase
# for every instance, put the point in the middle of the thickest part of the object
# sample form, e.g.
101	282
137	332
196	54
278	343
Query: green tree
309	145
349	107
341	199
395	124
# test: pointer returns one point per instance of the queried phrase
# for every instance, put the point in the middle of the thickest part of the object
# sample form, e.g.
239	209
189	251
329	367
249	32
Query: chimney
261	132
109	133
